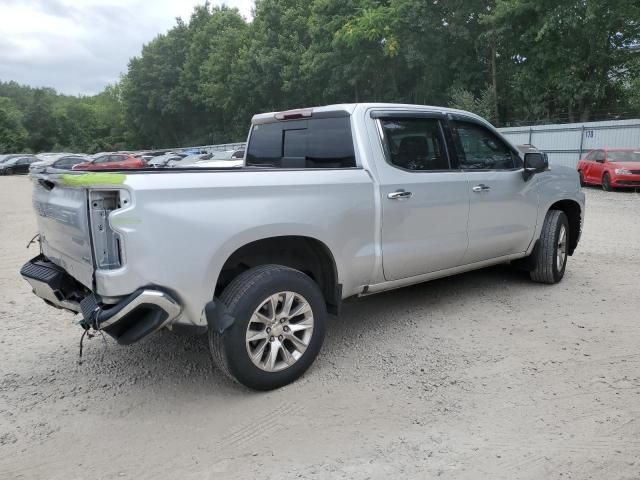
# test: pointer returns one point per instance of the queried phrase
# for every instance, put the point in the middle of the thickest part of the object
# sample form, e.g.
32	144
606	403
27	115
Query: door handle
399	195
481	188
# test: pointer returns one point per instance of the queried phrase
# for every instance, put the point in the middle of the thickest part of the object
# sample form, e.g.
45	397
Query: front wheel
606	182
279	327
550	256
8	171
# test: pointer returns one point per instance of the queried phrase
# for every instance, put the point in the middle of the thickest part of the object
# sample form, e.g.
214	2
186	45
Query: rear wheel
550	256
606	182
279	327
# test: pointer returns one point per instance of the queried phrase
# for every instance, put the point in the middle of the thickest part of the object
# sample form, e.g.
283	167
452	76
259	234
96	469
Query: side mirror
535	163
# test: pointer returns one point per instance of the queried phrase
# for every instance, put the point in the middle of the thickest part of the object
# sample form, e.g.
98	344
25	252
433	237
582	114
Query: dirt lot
485	375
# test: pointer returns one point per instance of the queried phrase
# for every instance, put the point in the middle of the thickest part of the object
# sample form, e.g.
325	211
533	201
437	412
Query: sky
80	46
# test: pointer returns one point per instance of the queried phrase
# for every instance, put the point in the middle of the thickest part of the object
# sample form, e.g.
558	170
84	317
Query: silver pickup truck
332	202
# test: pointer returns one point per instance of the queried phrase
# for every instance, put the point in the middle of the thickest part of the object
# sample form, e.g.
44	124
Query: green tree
465	100
13	135
569	56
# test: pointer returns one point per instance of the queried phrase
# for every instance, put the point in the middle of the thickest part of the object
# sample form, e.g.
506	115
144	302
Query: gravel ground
483	375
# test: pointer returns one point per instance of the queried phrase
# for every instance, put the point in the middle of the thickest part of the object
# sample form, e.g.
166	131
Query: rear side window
313	143
415	144
67	162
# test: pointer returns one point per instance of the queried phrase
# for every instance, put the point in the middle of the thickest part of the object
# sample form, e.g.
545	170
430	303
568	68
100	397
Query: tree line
511	61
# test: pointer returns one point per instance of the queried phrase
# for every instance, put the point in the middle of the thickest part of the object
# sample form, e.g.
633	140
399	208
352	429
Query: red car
112	161
611	168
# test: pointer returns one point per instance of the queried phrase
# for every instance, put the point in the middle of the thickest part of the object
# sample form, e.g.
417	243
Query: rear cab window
305	143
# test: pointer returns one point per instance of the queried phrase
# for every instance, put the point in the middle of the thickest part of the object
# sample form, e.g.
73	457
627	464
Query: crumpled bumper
130	319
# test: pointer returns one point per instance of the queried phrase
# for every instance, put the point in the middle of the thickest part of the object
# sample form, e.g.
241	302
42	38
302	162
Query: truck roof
350	108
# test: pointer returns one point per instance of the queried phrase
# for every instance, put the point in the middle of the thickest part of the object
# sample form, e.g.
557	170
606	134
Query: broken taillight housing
107	244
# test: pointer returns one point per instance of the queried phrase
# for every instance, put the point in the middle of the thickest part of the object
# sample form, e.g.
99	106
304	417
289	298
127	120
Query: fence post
581	142
530	135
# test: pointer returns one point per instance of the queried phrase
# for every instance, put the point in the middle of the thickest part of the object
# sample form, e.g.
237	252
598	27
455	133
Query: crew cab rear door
424	200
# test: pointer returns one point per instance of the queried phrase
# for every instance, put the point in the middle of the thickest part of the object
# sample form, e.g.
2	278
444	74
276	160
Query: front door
503	207
596	169
425	202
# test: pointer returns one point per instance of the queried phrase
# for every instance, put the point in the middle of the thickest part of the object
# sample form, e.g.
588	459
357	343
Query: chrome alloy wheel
561	255
279	331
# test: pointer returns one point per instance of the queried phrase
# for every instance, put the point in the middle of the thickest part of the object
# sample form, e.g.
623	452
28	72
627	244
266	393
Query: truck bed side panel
182	227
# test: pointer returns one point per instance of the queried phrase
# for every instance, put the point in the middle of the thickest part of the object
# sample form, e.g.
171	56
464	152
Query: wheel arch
306	254
573	211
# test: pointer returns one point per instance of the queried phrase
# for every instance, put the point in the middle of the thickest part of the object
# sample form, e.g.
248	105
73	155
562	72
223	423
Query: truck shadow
183	363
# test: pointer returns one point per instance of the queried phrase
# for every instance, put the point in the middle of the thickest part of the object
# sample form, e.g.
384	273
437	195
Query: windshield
624	156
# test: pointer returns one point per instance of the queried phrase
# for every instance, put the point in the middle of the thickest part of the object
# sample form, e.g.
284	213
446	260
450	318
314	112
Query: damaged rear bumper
129	320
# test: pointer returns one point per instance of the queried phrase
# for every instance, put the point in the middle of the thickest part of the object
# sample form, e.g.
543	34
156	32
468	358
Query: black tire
8	171
242	297
582	184
545	257
606	182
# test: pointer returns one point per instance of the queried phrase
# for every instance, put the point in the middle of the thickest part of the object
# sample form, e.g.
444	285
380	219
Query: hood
627	165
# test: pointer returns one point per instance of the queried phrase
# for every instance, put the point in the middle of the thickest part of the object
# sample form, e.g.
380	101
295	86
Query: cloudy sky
79	46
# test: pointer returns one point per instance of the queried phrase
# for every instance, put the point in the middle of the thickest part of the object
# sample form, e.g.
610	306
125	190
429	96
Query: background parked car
18	164
196	160
61	161
163	160
112	161
7	157
233	163
611	168
189	160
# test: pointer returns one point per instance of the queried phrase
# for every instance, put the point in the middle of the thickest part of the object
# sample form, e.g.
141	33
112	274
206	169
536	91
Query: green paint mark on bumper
91	179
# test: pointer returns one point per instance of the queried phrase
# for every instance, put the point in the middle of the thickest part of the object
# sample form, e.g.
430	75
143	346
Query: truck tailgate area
63	222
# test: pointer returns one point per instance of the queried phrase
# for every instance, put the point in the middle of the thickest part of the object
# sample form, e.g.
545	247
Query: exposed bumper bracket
131	319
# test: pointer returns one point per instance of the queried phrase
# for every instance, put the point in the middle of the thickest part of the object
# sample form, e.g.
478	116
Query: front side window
479	148
313	143
415	144
599	156
63	163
